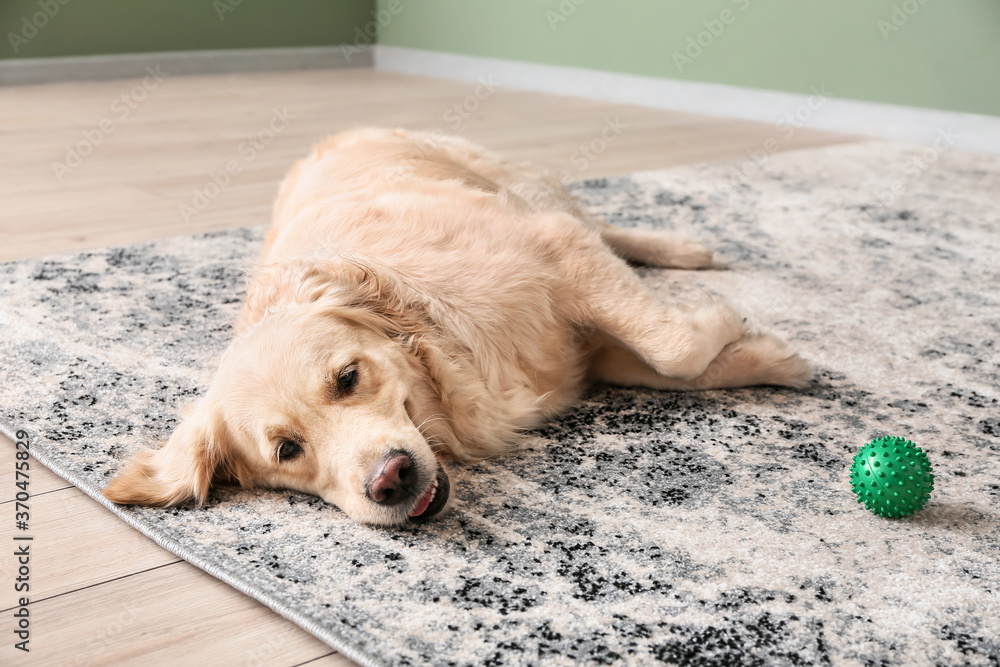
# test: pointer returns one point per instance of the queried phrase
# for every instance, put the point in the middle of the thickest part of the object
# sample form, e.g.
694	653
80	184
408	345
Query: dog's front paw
764	359
671	250
718	322
687	253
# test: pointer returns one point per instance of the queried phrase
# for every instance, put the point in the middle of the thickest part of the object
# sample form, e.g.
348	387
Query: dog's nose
393	479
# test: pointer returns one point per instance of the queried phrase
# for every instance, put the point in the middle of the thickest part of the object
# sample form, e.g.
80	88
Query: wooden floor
102	594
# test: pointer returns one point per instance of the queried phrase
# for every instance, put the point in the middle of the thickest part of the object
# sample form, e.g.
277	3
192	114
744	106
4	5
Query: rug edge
337	643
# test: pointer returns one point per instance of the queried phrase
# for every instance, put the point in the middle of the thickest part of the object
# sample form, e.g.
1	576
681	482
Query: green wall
945	54
942	54
88	27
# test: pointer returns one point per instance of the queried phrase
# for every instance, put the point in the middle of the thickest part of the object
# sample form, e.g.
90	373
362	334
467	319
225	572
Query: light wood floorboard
102	593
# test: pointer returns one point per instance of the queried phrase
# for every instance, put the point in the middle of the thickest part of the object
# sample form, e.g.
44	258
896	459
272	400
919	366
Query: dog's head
323	391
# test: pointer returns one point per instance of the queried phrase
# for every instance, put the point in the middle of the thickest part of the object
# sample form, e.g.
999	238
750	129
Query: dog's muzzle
396	481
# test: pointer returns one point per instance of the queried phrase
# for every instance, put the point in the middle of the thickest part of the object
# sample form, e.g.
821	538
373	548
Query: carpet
640	527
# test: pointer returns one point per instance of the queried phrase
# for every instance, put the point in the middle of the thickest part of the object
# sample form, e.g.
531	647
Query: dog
421	300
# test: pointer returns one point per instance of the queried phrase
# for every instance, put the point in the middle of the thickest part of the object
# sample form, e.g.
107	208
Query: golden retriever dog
421	299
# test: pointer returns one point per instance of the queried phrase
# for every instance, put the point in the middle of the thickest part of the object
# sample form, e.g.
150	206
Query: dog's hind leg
676	343
752	360
668	250
604	294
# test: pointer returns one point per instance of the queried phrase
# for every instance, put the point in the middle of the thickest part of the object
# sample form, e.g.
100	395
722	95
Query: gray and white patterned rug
704	528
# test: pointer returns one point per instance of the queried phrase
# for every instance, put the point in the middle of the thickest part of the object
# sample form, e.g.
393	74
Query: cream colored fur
473	297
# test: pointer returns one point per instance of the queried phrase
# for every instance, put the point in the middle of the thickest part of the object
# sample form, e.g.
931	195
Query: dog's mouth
433	500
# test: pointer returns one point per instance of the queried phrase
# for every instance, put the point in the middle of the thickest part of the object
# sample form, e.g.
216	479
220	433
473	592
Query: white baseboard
975	132
130	65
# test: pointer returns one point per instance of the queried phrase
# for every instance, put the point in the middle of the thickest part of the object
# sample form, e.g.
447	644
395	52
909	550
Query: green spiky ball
892	477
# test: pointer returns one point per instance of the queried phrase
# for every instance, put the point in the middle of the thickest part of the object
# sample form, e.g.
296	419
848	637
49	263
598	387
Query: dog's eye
288	450
348	379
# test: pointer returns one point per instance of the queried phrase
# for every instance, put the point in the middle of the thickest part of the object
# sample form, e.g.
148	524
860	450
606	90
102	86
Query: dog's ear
375	289
343	284
180	470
